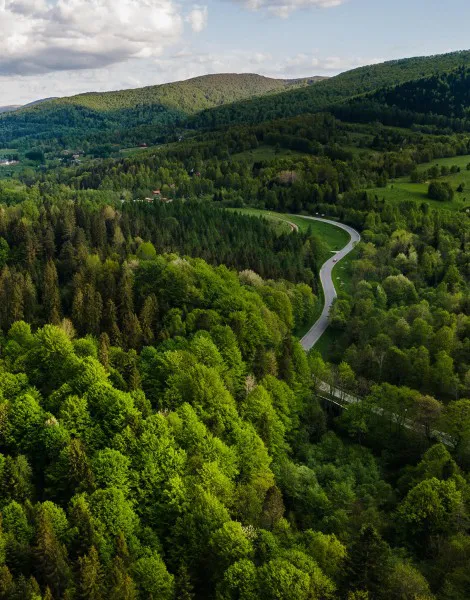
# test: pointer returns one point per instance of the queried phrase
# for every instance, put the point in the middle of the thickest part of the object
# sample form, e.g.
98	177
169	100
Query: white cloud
183	63
307	64
40	36
198	18
283	8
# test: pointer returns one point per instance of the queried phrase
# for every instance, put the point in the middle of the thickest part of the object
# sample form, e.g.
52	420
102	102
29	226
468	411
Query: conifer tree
16	299
368	564
51	295
29	298
148	319
77	310
103	350
111	324
90	584
50	557
184	589
121	585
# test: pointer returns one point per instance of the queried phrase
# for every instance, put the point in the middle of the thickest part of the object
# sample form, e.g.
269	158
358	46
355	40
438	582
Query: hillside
148	115
12	107
163	434
138	114
332	91
190	96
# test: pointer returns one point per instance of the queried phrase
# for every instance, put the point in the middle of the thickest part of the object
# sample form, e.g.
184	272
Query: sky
63	47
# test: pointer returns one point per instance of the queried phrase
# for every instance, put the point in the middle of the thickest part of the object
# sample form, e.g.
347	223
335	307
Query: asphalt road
318	329
325	390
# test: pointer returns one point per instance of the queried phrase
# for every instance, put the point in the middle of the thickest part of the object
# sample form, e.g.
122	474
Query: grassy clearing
136	150
402	189
279	222
460	161
334	239
342	273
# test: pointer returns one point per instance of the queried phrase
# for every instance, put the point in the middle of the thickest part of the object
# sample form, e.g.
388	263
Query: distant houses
156	195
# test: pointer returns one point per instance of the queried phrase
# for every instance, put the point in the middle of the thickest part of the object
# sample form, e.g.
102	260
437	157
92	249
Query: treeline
68	126
329	93
185	477
327	167
147	115
442	94
408	320
66	258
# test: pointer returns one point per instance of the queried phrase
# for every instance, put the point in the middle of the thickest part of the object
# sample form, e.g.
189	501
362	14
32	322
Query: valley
235	339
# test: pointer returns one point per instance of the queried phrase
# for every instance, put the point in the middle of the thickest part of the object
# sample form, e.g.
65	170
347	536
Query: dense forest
177	450
163	435
154	113
441	100
129	117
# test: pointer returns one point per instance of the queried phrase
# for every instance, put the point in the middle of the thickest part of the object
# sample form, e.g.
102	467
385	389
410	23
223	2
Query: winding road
326	391
318	329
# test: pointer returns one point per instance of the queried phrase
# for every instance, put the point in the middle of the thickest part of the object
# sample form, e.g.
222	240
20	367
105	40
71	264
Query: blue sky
62	47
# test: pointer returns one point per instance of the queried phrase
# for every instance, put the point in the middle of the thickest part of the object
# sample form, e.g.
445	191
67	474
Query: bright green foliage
160	432
430	508
152	579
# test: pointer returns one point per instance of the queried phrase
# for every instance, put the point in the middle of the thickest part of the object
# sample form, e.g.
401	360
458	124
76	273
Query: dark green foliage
160	432
138	113
440	191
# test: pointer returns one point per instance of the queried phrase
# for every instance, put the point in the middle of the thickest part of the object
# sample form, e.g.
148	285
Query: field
402	189
334	239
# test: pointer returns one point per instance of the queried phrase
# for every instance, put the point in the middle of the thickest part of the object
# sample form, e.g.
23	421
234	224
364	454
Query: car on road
335	260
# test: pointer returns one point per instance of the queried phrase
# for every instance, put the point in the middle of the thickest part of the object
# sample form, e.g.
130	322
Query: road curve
318	329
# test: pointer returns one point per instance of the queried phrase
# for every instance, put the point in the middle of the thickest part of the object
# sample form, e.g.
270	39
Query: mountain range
156	113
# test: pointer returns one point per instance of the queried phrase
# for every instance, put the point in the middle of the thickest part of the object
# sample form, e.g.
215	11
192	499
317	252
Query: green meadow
402	189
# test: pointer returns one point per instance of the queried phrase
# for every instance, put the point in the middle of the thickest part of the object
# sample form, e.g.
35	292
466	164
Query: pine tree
5	287
132	331
148	319
16	299
16	479
7	585
48	594
77	310
92	309
51	295
79	473
111	324
121	585
90	584
50	557
125	295
368	565
103	350
183	587
81	518
29	299
134	379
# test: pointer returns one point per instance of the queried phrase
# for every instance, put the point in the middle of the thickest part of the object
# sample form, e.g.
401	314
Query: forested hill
190	96
428	99
333	90
157	107
5	109
146	115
